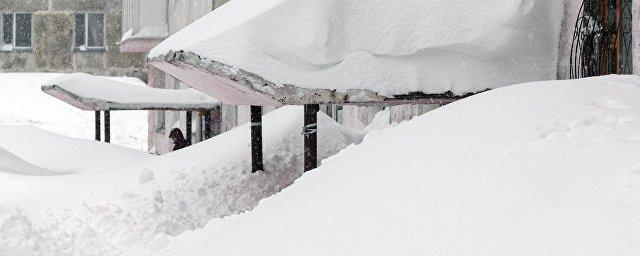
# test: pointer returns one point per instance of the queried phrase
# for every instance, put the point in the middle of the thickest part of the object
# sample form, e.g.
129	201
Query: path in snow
156	199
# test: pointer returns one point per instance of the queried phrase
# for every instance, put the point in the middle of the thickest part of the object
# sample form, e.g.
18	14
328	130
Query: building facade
66	36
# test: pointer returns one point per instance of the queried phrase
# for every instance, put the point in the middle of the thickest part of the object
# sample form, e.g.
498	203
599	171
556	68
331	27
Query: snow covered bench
94	93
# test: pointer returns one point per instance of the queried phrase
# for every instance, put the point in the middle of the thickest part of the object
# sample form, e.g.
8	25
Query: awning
93	93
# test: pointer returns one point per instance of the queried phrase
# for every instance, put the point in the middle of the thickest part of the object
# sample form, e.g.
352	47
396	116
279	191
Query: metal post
256	139
97	124
189	123
207	125
310	136
107	127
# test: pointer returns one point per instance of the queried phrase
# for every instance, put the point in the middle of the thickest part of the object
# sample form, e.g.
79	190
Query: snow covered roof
352	51
95	93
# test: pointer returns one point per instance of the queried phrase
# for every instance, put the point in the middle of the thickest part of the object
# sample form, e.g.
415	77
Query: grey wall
53	45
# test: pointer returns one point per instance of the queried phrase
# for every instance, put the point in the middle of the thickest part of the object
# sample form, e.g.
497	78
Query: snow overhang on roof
93	93
366	52
237	87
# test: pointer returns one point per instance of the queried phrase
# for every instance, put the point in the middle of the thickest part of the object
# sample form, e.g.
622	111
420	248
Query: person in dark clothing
179	142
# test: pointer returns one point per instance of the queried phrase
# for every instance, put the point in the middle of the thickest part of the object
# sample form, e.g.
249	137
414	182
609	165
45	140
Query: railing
602	39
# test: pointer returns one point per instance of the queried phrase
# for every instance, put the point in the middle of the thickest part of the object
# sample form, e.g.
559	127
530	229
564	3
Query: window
16	32
337	114
89	31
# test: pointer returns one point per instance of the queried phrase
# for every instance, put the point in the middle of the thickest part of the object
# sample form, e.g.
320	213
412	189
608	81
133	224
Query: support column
207	125
310	136
257	163
189	126
97	125
107	127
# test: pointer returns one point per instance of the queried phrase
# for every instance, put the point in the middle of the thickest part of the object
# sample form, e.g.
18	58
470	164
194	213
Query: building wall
52	50
636	37
566	36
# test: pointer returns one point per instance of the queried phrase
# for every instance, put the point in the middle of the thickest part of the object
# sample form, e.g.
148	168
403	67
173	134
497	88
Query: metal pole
189	123
97	124
257	163
107	127
310	136
207	125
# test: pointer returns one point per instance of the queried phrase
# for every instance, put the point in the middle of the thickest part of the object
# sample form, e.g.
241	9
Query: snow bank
10	163
390	47
179	191
545	168
64	155
23	103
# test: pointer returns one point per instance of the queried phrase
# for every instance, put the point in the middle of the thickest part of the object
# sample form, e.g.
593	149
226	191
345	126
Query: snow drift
64	155
390	47
10	163
136	209
545	168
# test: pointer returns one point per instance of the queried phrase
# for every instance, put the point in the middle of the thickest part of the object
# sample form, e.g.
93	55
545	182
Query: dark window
96	29
23	30
80	29
89	30
7	25
16	29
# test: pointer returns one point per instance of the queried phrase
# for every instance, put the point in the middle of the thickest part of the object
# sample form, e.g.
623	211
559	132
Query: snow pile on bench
389	47
156	199
498	174
90	92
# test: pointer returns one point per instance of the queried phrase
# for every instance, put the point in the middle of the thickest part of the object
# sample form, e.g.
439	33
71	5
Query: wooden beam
97	125
257	164
189	124
221	88
107	127
311	136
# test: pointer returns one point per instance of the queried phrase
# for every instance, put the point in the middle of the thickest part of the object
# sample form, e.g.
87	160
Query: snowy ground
23	103
546	168
135	209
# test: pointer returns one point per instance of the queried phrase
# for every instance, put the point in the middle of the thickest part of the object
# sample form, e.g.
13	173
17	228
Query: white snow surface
44	149
110	93
23	103
11	163
390	47
544	168
136	210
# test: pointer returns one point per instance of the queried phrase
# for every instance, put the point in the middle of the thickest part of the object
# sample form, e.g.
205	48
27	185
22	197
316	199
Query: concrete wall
52	50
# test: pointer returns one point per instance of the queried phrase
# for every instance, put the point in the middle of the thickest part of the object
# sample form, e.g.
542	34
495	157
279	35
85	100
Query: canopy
94	93
353	51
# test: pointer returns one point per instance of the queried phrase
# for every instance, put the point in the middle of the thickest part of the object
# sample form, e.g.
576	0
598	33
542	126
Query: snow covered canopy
88	92
352	51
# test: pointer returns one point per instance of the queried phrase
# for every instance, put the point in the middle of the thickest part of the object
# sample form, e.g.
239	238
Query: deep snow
23	103
63	155
136	209
544	168
390	47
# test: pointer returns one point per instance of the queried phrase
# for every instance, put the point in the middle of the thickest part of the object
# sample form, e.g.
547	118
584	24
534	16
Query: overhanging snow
351	51
94	93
